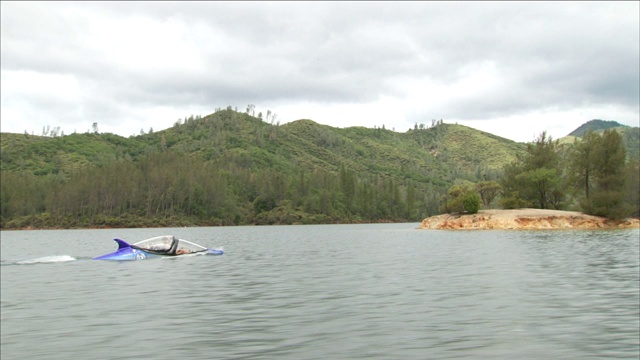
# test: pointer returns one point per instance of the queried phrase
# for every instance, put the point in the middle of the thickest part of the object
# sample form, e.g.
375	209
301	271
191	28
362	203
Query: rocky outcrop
525	219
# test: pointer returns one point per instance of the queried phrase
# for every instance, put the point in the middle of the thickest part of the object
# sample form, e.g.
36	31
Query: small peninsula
525	219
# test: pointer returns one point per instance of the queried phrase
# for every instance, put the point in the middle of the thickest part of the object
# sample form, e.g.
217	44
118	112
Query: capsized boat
159	246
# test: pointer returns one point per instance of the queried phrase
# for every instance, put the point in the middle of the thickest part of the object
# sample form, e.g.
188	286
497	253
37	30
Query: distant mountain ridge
440	151
630	135
595	125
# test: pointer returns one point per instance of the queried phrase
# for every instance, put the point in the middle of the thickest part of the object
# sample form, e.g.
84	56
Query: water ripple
318	292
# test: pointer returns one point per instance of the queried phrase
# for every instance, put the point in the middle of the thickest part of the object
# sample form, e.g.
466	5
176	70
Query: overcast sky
511	69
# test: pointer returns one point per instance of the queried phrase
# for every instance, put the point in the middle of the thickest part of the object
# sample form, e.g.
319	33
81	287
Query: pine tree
535	179
607	199
582	161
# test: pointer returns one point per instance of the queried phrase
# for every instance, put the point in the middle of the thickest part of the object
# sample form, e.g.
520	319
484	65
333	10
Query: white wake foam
47	259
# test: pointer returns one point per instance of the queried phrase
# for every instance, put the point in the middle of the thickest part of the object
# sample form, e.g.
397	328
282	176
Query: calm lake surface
384	291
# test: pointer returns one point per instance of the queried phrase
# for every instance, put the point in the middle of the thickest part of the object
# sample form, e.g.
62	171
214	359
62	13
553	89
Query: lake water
383	291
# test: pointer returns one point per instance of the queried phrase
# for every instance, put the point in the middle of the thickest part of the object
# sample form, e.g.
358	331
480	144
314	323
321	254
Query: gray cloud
128	56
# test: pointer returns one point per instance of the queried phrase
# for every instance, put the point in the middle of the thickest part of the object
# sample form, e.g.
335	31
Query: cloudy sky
511	69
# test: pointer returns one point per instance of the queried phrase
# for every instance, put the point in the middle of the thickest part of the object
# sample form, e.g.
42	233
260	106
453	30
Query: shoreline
525	219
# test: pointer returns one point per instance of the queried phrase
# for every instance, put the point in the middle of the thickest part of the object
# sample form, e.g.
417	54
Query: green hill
595	125
232	168
434	152
630	135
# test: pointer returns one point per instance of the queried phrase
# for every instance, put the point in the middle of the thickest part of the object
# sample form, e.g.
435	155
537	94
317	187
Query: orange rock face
525	219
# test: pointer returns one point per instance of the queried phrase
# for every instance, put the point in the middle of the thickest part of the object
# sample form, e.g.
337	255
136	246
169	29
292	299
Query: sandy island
525	219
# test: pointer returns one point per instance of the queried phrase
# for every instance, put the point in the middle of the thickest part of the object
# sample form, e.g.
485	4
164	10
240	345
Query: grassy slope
438	154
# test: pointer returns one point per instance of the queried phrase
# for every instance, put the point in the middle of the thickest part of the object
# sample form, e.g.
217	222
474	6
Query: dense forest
594	175
233	168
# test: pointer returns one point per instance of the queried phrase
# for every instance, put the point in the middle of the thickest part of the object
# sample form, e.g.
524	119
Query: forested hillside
232	168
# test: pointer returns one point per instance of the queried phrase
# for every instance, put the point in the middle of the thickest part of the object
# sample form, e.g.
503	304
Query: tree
632	188
488	190
535	179
471	202
541	184
461	198
607	197
347	187
251	109
582	161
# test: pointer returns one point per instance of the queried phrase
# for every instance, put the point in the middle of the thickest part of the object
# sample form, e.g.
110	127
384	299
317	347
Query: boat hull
127	255
127	252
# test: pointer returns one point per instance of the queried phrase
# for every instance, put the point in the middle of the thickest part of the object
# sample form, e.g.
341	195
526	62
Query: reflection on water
316	292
